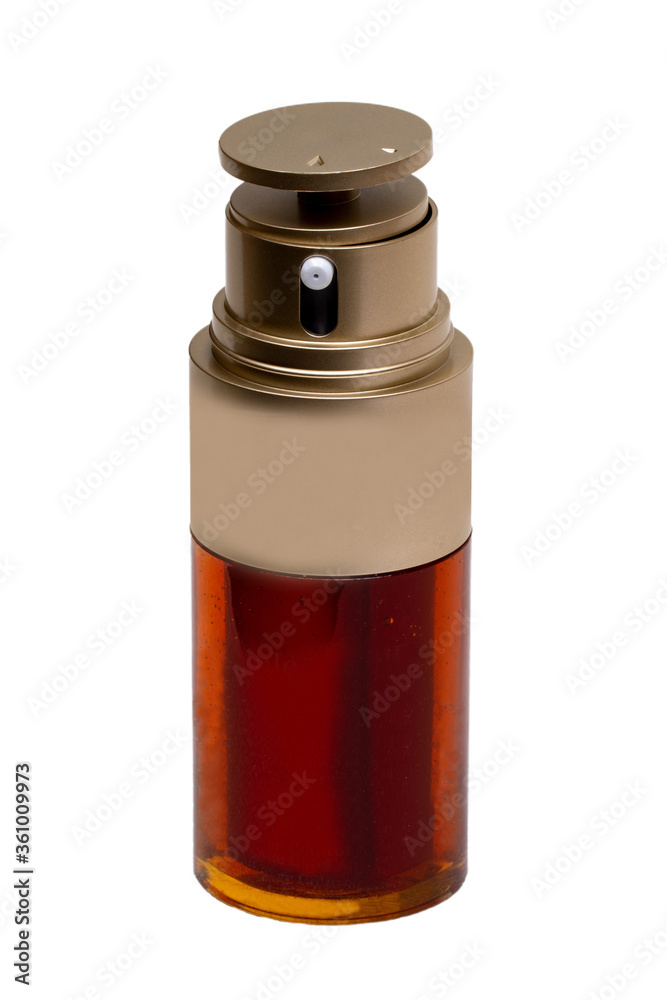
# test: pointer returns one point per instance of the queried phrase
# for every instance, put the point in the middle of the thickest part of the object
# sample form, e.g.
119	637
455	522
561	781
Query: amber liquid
331	737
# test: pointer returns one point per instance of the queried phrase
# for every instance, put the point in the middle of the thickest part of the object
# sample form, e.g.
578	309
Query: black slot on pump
318	306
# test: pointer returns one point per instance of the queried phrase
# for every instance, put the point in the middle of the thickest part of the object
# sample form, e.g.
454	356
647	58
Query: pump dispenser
330	452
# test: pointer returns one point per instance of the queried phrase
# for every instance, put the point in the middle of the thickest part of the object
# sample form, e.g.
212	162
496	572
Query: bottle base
344	908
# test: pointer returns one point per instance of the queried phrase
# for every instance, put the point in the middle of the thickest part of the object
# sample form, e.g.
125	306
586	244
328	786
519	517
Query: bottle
330	447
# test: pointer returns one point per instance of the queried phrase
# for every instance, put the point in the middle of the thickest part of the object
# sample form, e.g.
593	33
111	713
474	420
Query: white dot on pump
317	272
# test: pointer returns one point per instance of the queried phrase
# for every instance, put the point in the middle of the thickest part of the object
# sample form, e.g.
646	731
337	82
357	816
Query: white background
550	87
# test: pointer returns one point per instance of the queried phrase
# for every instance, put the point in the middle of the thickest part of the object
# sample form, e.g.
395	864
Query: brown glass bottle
330	415
331	722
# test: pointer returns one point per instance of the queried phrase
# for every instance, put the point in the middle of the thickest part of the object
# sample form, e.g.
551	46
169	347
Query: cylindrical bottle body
331	722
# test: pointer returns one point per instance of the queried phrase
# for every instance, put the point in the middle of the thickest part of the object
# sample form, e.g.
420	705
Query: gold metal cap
340	451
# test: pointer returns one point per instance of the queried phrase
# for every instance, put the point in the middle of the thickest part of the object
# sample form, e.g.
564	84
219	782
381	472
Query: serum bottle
330	431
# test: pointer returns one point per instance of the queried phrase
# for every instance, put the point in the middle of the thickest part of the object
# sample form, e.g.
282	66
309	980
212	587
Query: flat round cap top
334	146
